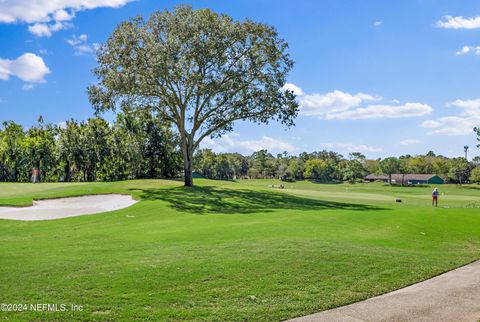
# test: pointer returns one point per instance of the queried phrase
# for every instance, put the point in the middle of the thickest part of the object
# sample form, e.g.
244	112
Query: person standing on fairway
435	197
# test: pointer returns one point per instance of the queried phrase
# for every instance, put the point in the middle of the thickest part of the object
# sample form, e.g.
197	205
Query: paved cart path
67	207
452	296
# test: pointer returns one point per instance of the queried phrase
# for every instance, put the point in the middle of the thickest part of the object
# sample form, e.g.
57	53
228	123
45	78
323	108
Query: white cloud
48	16
452	125
80	45
74	41
383	112
294	88
461	124
348	147
27	86
459	22
468	49
40	30
45	10
468	107
377	23
330	103
410	141
46	30
29	67
430	124
464	50
63	15
338	105
230	143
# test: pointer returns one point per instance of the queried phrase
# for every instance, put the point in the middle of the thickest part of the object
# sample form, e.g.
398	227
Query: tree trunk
390	179
187	169
187	162
67	172
40	172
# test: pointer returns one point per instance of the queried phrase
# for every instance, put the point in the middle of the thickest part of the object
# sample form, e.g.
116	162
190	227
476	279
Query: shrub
475	175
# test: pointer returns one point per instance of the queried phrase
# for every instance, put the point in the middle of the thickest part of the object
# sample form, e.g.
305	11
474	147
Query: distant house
408	178
417	179
198	175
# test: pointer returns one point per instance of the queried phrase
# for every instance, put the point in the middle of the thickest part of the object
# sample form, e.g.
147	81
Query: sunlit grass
230	250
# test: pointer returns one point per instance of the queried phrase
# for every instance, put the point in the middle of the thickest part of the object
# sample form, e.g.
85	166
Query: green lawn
231	250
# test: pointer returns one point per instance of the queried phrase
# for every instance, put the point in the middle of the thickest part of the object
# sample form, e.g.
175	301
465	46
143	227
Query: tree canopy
389	166
201	70
134	146
475	175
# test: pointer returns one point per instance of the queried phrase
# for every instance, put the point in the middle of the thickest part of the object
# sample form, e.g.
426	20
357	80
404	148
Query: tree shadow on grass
211	200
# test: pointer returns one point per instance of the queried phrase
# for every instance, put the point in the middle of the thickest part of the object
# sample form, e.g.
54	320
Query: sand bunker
67	207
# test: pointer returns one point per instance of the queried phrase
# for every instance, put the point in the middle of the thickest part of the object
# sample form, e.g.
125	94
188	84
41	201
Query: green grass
230	250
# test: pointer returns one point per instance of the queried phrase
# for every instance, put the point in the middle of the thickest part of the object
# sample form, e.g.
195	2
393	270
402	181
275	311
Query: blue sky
380	77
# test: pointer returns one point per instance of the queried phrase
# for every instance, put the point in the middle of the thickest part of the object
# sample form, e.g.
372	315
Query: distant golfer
35	175
435	197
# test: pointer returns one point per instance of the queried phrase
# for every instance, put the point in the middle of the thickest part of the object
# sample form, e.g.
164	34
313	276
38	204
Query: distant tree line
136	145
329	166
140	144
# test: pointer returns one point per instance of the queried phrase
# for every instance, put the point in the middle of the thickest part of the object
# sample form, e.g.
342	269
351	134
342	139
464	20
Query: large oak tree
201	70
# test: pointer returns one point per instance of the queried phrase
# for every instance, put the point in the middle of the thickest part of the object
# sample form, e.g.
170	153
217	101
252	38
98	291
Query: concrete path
453	296
67	207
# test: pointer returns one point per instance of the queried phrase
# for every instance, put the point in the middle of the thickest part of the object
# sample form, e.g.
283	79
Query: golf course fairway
230	250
